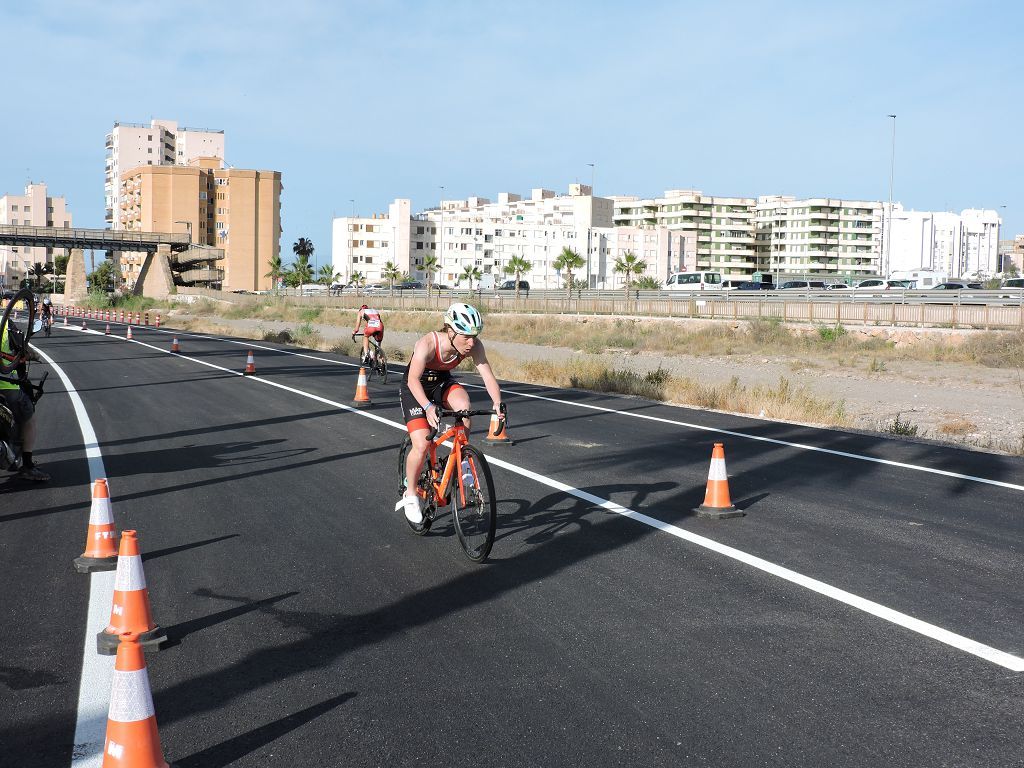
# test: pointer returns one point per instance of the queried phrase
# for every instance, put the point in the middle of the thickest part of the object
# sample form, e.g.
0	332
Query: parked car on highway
510	285
751	285
410	285
837	287
732	285
1013	282
803	285
955	285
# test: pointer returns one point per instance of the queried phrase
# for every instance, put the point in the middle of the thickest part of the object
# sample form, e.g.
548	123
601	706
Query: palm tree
430	266
276	269
38	271
303	249
358	279
628	264
470	273
391	273
569	261
327	274
518	266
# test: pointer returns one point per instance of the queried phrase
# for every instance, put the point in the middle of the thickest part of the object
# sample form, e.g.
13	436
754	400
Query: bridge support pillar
155	279
75	287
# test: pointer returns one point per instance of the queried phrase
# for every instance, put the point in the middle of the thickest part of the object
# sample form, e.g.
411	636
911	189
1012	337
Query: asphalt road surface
866	611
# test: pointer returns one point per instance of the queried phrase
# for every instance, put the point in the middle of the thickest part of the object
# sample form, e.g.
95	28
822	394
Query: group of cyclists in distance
428	383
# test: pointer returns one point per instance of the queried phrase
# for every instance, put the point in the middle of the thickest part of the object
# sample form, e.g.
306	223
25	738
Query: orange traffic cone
107	332
83	323
133	740
129	334
100	553
362	398
158	320
250	365
130	611
174	345
65	321
716	499
498	433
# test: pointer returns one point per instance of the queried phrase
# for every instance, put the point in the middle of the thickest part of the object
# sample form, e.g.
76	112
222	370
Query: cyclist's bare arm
483	367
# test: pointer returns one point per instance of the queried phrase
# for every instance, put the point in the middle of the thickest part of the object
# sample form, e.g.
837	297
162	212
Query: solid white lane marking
97	671
663	420
973	647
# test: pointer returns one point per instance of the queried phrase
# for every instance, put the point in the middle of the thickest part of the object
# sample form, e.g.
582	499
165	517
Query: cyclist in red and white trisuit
428	383
374	328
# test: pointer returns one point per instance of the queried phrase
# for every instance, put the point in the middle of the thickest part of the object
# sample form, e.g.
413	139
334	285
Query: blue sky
377	100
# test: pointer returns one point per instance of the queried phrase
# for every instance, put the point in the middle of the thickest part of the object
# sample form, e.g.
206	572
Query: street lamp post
888	229
440	227
351	240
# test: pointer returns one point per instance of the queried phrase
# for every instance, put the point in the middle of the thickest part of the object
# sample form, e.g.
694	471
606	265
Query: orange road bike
461	479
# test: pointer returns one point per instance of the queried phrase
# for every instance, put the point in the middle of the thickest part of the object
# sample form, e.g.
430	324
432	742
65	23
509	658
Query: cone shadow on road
147	556
178	631
237	747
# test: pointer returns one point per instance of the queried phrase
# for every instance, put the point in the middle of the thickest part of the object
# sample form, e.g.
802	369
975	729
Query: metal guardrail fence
996	310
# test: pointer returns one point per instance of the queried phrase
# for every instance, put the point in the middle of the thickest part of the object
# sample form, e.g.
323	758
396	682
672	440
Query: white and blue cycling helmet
464	319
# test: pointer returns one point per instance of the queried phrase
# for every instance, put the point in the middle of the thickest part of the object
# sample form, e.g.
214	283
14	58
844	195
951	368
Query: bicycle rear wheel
7	321
476	519
428	518
382	366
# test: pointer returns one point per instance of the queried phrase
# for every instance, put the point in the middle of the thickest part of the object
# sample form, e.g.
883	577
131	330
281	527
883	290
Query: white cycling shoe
411	506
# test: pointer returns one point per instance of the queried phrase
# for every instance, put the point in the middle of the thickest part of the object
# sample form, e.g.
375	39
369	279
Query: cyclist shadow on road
558	512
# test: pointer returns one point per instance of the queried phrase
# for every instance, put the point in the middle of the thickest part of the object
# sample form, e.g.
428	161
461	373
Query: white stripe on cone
130	577
130	697
362	380
100	513
717	471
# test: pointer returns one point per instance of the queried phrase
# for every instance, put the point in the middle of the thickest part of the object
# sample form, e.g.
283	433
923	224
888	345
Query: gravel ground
984	406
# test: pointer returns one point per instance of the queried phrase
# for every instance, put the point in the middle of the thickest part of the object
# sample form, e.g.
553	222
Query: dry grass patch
958	426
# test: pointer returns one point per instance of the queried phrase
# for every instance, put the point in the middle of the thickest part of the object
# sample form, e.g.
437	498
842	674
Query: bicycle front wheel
473	505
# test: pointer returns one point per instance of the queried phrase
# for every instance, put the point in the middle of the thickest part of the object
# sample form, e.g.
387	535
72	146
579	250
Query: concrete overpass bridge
171	259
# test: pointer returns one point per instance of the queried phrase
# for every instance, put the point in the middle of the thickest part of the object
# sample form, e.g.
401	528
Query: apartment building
819	236
477	232
162	142
35	208
229	208
717	233
1011	254
956	244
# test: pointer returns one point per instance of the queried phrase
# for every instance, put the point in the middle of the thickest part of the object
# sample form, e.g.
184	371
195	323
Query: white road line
97	671
906	621
663	420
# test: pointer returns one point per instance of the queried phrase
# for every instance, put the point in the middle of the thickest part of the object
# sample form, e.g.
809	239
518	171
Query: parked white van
694	281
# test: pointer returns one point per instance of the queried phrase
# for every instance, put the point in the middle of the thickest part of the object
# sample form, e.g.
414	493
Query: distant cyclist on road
47	311
428	383
374	327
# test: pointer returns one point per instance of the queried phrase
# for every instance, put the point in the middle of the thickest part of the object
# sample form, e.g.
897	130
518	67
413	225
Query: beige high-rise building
162	142
35	208
237	210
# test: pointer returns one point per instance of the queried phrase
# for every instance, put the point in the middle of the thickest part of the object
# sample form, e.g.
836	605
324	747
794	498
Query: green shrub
900	427
831	333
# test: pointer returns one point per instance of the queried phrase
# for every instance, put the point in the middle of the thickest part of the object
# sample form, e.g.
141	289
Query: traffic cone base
717	503
362	398
101	541
132	739
130	611
496	435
